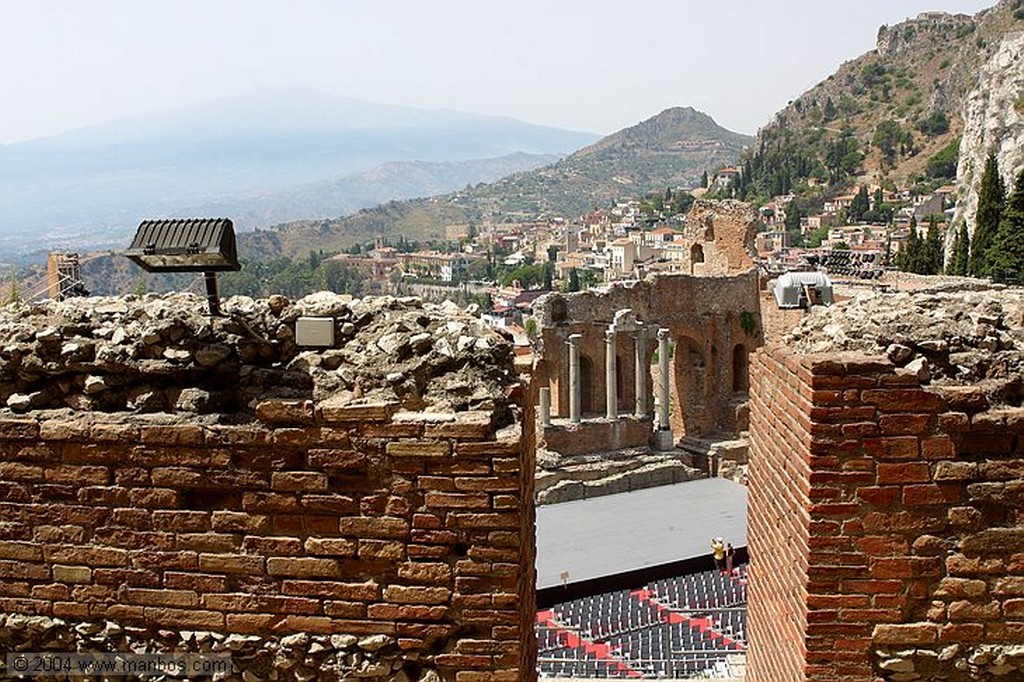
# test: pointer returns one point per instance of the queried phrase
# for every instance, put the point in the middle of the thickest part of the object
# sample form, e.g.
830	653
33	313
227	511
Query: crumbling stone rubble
982	662
253	657
163	354
945	337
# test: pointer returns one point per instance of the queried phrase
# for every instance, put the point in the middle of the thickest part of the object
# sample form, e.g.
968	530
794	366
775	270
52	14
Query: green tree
892	140
13	292
943	164
935	124
843	156
793	229
960	259
860	205
528	276
909	257
991	196
830	110
816	237
1006	259
931	258
574	280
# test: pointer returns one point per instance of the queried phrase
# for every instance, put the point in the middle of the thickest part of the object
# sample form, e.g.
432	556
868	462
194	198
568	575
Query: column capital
609	335
574	339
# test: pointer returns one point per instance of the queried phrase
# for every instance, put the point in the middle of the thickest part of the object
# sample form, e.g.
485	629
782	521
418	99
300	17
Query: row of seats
608	614
682	627
710	589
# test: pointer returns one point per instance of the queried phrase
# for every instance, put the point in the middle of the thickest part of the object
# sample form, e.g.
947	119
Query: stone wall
714	323
886	533
361	510
721	234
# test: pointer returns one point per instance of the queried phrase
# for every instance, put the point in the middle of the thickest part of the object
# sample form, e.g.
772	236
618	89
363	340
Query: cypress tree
908	259
931	262
860	205
830	110
574	280
960	260
1006	258
991	196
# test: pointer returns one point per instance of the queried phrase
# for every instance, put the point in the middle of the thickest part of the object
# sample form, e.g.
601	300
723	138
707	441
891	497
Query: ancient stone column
642	370
574	378
611	394
663	440
545	406
663	366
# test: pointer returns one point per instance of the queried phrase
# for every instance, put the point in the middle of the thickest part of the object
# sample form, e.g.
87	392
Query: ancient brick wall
721	236
778	500
327	536
886	537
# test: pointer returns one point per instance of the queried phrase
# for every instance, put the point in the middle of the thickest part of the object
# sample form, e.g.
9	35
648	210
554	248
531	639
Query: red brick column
841	493
778	520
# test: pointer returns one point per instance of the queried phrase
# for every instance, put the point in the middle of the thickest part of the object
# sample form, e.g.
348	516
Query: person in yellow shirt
718	550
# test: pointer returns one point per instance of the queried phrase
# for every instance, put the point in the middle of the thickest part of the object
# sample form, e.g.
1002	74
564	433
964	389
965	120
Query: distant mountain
671	149
349	193
91	187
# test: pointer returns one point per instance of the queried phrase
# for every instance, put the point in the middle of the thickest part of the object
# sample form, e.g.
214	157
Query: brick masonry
345	524
886	531
399	539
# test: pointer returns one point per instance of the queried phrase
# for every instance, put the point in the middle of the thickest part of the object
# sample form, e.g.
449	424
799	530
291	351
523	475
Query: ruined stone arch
587	399
696	256
740	378
621	385
691	375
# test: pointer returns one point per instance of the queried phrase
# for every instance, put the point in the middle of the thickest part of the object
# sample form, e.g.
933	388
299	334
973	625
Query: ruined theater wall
714	324
721	236
343	536
887	538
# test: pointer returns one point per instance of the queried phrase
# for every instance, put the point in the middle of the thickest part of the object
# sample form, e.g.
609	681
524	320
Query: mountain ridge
670	149
897	106
100	180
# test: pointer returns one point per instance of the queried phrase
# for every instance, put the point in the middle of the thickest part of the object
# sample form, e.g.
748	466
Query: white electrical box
314	332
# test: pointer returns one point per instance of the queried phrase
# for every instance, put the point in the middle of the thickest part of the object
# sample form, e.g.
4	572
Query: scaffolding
63	278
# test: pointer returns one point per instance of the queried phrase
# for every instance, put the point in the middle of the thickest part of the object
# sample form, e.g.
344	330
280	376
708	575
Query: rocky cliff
921	70
993	122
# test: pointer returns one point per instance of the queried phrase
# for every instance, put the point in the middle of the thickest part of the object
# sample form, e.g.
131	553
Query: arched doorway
586	385
690	370
740	380
696	256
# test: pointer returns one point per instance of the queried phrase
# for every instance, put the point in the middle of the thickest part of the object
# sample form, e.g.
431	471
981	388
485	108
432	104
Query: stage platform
614	540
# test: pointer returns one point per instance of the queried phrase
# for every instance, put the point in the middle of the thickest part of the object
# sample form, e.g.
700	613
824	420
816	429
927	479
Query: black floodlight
187	245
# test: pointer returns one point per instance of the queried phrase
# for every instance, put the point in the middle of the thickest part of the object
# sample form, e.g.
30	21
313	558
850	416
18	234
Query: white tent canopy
792	289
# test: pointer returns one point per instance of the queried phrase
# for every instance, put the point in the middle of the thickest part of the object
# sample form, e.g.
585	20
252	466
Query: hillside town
515	262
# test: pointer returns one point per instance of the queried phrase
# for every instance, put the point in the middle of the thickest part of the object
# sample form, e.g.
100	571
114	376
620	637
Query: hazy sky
594	65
